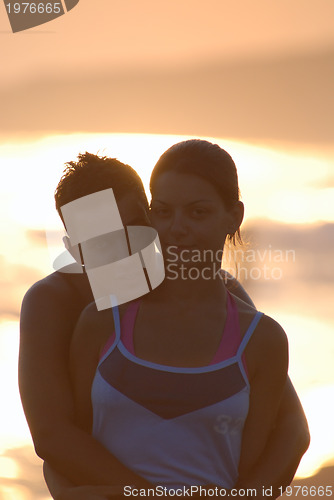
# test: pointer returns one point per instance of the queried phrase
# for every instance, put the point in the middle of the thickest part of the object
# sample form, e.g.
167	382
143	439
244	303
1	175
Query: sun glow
291	186
311	348
13	426
318	404
8	468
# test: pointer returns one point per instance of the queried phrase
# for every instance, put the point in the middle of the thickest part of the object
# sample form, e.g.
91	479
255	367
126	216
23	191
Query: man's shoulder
62	288
55	283
53	300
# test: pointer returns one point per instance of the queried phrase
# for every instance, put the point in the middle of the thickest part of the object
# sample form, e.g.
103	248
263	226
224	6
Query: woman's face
191	217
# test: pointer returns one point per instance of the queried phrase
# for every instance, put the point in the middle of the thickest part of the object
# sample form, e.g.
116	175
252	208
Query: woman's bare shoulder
270	333
267	350
268	341
266	326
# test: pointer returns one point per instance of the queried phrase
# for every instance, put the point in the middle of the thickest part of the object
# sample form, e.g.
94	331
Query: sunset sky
259	71
128	79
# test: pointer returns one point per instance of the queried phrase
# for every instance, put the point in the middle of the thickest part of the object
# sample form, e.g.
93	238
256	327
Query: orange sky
260	71
256	71
167	33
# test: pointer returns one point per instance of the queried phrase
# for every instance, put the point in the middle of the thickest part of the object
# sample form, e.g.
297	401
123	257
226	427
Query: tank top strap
122	328
128	324
249	333
117	323
231	337
117	331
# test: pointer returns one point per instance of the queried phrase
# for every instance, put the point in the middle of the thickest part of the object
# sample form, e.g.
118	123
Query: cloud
38	237
298	262
284	99
28	483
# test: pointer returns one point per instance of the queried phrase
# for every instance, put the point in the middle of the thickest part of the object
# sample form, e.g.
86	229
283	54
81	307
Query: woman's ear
237	215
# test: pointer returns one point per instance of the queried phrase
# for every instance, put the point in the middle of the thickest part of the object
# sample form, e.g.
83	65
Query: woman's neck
186	287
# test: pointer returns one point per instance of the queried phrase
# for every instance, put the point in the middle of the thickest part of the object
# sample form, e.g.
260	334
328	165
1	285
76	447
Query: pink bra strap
127	326
231	338
228	347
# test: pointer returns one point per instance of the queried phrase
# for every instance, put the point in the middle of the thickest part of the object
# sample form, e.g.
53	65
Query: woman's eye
199	212
161	212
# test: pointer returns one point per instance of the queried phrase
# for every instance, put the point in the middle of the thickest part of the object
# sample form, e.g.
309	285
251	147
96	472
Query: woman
188	386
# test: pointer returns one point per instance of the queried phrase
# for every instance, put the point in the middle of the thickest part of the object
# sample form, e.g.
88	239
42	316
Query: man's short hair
92	173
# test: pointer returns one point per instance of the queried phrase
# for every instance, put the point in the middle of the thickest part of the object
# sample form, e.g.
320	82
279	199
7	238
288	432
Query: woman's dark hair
92	173
206	160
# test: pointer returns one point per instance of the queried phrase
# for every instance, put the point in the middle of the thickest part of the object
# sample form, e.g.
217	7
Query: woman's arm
267	360
287	444
289	438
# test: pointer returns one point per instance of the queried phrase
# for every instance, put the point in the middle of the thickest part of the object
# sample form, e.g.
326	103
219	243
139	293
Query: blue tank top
173	426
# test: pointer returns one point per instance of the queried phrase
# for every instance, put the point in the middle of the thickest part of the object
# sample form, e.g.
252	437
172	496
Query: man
49	313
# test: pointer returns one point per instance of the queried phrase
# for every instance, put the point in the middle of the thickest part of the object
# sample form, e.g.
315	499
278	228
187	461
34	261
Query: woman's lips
187	247
179	249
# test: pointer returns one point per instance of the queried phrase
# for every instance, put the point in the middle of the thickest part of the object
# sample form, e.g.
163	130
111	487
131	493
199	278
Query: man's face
117	243
113	246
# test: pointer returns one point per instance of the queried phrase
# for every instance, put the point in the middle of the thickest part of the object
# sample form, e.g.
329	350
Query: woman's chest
171	337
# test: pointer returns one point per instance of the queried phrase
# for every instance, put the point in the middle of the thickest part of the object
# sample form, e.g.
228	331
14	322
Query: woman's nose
178	226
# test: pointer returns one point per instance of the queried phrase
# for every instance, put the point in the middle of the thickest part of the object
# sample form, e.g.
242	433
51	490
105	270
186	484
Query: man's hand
91	493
